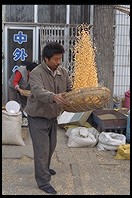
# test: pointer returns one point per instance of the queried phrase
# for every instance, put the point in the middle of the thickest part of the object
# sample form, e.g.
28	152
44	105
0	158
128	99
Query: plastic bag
110	140
123	152
82	137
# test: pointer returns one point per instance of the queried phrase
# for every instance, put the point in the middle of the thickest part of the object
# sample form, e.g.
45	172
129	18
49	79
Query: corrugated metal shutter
65	35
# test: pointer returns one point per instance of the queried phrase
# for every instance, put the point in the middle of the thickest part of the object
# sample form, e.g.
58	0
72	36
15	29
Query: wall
121	46
122	54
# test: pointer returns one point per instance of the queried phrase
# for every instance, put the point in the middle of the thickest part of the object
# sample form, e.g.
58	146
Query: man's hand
60	100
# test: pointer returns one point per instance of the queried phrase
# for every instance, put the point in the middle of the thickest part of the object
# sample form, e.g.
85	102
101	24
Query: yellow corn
85	70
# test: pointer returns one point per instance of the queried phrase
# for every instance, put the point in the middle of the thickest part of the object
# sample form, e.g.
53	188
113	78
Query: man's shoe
52	172
48	189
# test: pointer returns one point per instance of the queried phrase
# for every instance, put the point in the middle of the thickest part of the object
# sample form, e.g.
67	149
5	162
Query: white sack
110	140
69	130
11	128
82	137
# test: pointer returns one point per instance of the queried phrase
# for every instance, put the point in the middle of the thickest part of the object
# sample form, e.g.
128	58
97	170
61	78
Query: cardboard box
69	118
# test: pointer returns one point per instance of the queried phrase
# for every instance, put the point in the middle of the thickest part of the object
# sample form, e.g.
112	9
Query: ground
79	171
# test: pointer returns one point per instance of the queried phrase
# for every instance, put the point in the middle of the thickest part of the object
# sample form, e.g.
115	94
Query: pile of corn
86	94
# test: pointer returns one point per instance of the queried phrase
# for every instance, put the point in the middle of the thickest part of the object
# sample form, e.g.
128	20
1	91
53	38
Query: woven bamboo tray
26	92
86	99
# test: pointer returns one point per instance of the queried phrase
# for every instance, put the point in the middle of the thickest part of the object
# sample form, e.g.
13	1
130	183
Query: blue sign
15	68
20	37
19	54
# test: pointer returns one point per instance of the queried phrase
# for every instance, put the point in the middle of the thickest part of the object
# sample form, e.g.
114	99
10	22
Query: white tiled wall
122	54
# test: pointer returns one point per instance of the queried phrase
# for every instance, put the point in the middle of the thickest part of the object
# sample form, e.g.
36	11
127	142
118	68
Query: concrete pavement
80	171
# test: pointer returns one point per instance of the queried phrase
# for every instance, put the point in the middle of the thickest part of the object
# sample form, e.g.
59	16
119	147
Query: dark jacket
43	88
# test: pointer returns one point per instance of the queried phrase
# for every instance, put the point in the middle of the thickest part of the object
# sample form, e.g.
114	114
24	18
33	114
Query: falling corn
86	93
85	70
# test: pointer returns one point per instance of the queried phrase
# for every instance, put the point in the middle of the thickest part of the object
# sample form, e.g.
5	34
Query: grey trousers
44	138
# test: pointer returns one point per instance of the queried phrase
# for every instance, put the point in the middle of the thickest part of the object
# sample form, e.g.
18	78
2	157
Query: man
48	80
19	82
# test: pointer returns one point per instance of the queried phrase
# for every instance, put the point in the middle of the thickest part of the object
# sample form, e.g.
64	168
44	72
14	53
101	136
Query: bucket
127	100
12	107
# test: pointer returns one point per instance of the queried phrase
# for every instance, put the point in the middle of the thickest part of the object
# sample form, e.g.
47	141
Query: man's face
54	61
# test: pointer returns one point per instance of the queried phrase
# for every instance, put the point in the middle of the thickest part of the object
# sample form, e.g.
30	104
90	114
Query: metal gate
65	35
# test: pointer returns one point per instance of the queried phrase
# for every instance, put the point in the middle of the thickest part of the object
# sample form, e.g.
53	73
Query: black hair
52	48
25	63
31	66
